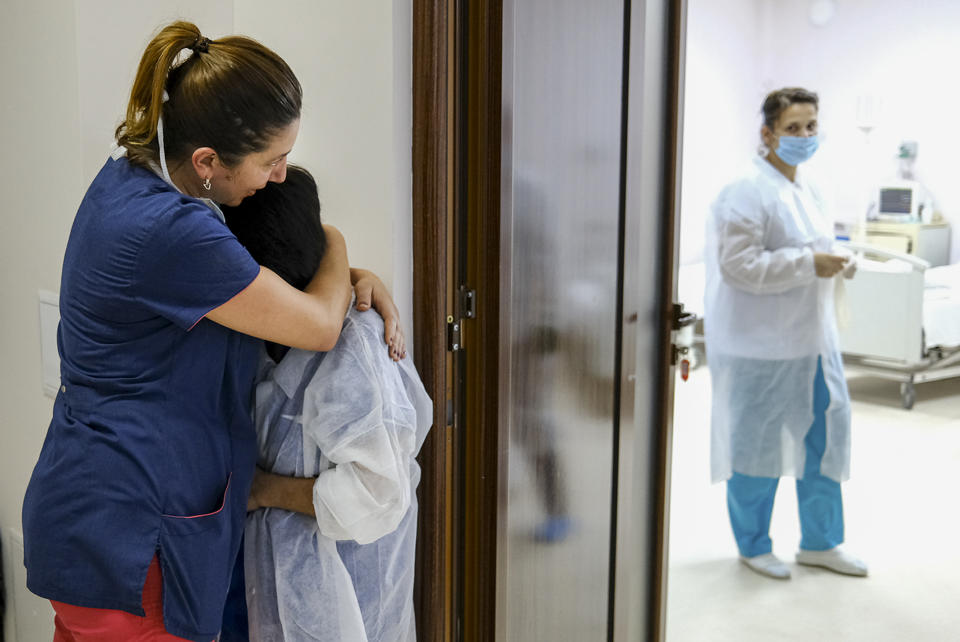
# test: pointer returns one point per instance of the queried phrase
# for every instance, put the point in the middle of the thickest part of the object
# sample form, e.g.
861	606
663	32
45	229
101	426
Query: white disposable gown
356	420
767	318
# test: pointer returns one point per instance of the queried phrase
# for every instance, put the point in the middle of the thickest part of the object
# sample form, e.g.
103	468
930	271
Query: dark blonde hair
779	100
231	94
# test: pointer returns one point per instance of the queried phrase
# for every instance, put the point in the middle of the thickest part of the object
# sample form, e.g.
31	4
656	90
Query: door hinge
468	302
453	334
466	309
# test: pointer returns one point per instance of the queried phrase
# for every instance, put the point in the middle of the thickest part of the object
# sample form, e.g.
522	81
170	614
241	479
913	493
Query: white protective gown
767	317
356	420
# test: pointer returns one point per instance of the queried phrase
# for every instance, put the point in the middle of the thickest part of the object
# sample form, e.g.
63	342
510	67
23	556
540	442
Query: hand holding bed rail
916	263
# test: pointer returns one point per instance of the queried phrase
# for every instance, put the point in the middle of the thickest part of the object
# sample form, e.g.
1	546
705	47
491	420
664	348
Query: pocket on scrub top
197	555
193	524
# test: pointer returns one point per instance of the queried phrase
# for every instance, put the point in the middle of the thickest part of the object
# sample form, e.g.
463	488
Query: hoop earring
206	184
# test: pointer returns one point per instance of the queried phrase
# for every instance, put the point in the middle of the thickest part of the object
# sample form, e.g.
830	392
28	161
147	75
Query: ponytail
146	97
230	94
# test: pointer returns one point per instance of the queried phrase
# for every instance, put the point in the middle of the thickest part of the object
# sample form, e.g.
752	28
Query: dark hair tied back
234	98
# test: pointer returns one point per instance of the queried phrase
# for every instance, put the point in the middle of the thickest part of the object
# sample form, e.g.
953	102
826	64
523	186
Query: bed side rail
885	310
916	263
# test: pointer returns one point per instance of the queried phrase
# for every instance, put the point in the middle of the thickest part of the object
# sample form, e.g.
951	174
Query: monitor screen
896	200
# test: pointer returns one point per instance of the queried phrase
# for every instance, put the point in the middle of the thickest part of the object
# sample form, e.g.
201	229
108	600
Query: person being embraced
330	539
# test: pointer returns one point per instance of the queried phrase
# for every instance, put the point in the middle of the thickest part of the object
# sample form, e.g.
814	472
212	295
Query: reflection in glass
561	216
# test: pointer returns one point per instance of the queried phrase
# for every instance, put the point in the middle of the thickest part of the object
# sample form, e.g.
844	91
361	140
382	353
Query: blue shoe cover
553	529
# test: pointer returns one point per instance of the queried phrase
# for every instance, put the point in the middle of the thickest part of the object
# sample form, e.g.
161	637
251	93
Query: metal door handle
681	319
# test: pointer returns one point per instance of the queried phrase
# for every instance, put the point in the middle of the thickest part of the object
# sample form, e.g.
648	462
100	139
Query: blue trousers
750	499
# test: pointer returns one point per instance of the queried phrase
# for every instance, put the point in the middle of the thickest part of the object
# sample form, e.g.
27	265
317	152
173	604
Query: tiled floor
902	508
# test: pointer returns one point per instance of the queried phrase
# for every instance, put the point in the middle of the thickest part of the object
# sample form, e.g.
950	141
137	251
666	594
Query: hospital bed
901	319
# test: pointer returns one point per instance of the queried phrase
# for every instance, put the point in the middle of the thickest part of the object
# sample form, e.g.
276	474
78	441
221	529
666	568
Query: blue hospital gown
356	420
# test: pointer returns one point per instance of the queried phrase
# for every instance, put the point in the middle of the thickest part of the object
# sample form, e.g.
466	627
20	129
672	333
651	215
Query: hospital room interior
885	74
884	107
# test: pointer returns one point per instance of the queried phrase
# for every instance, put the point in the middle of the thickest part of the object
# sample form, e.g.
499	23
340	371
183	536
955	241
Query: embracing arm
362	497
279	491
370	290
269	308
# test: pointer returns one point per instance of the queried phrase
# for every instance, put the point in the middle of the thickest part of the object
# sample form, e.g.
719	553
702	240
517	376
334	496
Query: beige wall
65	71
40	122
355	130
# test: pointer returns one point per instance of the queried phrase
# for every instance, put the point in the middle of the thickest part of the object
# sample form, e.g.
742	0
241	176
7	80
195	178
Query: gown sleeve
356	411
745	261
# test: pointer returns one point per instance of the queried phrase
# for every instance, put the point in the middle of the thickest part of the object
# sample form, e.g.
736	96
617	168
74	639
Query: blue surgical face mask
794	150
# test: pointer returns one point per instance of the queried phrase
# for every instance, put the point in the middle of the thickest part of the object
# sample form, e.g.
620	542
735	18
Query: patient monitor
899	201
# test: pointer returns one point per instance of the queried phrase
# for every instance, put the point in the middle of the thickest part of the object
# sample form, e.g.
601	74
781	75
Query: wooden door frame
432	188
456	195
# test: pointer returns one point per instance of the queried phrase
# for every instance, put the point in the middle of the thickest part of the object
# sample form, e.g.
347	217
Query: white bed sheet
941	306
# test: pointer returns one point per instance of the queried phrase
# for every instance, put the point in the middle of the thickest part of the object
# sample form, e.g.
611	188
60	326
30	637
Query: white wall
721	121
66	67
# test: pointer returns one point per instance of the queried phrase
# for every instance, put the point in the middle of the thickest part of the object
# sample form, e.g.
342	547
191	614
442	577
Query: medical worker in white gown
329	552
780	401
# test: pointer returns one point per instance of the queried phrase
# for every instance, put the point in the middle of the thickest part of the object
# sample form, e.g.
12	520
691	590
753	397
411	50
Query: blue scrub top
151	449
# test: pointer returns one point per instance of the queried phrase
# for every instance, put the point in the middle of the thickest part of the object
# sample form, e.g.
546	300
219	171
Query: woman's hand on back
371	291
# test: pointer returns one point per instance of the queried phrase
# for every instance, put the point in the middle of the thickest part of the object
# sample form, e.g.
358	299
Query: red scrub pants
82	624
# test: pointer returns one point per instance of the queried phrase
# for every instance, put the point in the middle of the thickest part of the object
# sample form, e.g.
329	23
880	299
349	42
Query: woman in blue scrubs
780	401
149	457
